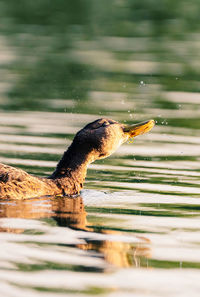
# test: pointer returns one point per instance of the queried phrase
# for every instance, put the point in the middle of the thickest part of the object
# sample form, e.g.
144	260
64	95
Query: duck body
96	140
17	184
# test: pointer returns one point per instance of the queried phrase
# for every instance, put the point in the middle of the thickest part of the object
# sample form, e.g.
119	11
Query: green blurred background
105	57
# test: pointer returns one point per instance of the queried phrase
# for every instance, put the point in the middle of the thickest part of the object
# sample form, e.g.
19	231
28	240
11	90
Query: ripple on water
151	222
142	215
135	229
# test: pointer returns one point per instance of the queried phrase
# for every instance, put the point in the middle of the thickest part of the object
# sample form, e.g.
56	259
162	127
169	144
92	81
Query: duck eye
105	124
99	125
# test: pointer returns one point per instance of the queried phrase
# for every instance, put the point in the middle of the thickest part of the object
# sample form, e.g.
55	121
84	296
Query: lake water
135	229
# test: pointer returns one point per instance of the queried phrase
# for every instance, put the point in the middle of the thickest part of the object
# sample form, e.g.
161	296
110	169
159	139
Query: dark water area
135	229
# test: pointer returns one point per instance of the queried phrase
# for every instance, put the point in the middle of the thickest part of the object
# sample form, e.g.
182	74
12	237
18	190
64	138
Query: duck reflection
70	212
67	212
121	254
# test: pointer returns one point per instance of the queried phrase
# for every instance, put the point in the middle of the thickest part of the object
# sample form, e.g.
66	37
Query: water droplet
130	140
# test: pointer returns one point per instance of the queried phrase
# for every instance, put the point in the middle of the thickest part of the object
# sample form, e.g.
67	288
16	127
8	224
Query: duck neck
71	170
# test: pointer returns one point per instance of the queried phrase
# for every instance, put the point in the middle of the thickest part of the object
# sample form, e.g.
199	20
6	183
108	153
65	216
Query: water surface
135	229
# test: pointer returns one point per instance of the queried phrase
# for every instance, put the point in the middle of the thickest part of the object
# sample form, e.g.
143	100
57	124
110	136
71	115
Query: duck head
102	137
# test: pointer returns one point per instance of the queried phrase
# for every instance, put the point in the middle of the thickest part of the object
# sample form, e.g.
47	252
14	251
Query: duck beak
140	128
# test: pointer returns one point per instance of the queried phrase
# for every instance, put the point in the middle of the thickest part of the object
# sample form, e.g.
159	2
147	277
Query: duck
97	140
